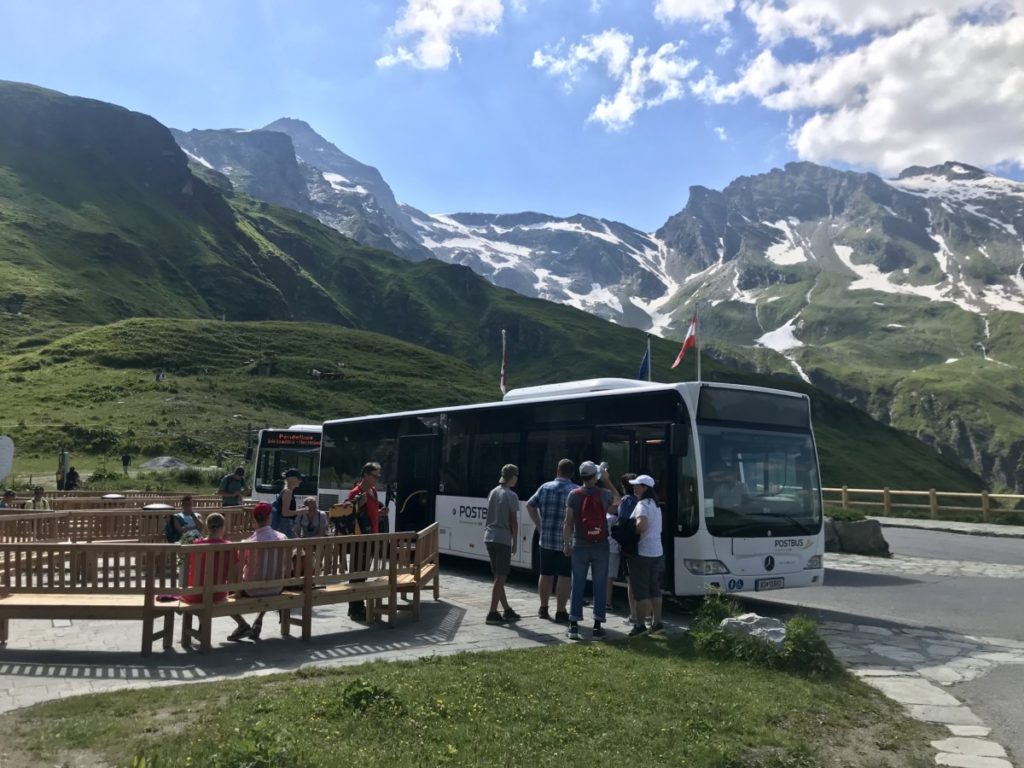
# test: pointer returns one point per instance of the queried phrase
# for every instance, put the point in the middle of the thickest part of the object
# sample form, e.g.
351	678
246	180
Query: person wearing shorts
646	567
501	534
546	509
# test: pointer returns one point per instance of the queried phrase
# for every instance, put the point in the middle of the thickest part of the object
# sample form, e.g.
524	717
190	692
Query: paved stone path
910	666
952	526
905	565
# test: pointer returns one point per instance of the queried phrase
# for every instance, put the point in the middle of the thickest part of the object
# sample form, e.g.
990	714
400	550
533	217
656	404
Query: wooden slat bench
336	569
419	566
87	581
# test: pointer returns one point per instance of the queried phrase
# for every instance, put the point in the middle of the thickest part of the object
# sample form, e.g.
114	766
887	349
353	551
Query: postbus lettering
472	513
789	543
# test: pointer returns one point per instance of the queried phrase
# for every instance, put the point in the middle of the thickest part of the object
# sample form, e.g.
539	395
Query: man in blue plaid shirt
547	511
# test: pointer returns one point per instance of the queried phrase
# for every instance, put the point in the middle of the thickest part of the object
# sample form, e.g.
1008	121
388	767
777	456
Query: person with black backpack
585	535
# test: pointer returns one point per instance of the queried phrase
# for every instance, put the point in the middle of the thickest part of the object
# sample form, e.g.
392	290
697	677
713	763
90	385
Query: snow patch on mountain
792	249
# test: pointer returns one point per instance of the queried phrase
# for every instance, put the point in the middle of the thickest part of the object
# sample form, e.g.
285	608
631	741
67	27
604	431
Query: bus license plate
762	584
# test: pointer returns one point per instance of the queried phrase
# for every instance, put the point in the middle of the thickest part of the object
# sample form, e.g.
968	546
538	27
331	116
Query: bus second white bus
761	530
278	450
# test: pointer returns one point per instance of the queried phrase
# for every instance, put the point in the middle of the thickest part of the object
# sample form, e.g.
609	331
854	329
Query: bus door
643	450
417	481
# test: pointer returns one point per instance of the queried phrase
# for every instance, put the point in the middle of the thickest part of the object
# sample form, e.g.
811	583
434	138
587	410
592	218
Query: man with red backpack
585	533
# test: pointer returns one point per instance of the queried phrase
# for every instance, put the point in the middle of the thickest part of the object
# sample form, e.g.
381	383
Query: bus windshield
280	451
759	482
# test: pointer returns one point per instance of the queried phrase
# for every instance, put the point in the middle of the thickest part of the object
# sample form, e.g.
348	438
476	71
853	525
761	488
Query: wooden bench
335	569
88	581
419	566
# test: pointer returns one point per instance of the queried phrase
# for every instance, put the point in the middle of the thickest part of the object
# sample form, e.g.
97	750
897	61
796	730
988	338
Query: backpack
593	518
170	532
624	532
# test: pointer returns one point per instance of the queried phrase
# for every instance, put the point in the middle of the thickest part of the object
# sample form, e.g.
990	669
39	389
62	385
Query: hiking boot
599	633
254	631
240	633
561	617
510	615
574	631
543	613
658	629
638	629
494	618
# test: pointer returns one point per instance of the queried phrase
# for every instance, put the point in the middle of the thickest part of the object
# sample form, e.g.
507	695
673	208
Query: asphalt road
955	546
967	605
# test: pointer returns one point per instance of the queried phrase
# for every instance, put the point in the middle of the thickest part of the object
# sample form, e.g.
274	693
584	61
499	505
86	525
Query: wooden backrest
247	566
61	568
94	525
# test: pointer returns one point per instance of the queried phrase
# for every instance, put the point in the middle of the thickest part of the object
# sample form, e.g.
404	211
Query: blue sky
496	105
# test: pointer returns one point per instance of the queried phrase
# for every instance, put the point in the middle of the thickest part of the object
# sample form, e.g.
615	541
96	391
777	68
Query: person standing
546	509
310	522
284	508
72	480
646	568
626	506
38	502
366	505
585	535
231	488
126	460
501	537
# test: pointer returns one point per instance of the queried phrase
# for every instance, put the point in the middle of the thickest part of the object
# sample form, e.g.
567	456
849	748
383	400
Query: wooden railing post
846	497
933	504
986	510
886	502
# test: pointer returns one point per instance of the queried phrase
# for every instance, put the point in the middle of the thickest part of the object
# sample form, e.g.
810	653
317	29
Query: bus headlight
814	563
705	567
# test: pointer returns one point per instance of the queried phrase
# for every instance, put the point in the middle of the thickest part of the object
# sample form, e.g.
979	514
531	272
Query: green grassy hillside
116	260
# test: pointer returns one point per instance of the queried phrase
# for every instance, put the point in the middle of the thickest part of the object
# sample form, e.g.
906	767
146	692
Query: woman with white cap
646	567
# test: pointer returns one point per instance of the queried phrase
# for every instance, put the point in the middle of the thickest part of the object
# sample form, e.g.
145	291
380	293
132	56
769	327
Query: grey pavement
952	526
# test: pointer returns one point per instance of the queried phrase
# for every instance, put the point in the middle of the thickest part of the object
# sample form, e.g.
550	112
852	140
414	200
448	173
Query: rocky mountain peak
951	171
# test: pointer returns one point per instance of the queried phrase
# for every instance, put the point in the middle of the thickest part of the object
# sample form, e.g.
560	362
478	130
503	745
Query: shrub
713	610
805	652
846	515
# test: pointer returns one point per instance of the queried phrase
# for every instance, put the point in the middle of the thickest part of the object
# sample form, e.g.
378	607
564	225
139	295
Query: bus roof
569	390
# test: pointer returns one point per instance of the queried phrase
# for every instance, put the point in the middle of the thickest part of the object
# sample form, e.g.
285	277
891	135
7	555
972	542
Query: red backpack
593	519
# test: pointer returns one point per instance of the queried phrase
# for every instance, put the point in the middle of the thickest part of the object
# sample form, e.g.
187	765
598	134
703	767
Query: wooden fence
882	501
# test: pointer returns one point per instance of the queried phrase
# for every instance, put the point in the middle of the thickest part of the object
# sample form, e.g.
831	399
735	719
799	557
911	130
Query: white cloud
720	133
433	24
693	10
937	89
644	80
819	20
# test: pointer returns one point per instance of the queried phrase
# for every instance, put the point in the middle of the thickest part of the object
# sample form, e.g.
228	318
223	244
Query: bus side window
687	517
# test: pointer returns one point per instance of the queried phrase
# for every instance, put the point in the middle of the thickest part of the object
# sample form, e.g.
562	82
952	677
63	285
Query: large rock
164	462
863	537
831	537
771	631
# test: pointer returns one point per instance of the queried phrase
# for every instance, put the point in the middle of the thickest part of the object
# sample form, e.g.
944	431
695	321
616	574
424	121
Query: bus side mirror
679	439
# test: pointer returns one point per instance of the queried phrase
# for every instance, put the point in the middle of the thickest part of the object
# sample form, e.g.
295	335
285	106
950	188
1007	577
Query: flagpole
650	362
696	343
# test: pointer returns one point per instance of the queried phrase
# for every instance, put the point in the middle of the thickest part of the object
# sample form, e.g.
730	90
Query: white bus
762	530
280	449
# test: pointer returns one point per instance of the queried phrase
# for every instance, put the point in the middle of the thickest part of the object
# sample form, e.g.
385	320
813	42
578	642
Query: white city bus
278	450
440	464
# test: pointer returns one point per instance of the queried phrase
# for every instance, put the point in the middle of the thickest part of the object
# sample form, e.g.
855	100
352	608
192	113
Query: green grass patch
653	701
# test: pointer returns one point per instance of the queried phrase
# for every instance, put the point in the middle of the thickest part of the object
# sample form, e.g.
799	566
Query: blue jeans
593	558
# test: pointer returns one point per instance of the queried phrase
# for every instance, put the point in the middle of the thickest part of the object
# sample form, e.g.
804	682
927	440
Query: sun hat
262	510
293	472
508	472
643	480
588	469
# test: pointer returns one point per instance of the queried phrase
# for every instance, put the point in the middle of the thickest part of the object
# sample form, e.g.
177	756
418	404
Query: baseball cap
643	480
262	510
293	472
239	470
588	469
508	472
